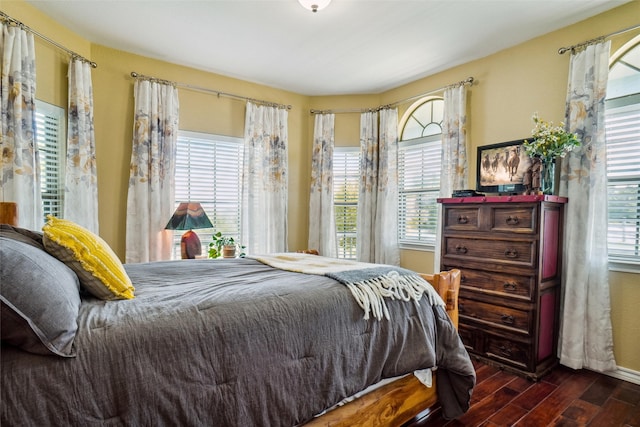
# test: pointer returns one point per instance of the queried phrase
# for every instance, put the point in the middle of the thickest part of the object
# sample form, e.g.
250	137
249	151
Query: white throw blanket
369	283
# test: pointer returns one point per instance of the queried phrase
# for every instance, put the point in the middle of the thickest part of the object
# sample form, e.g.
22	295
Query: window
50	136
623	158
346	179
419	165
209	171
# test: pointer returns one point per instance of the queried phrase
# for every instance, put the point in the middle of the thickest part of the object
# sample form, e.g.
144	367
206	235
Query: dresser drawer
509	285
513	219
508	351
516	252
495	315
509	250
470	337
462	219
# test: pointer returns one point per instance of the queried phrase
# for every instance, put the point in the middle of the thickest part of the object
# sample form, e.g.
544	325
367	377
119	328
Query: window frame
346	151
52	157
616	262
405	243
620	101
435	140
194	195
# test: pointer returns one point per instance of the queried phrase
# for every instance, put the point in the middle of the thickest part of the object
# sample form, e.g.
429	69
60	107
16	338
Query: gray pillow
34	238
40	300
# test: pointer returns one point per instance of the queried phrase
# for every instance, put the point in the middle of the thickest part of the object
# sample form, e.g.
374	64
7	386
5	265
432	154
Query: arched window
623	155
419	157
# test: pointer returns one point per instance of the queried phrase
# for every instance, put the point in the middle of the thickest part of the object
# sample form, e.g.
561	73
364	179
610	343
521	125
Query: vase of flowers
549	142
548	176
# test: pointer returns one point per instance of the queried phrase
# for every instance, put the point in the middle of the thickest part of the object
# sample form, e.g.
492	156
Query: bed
218	342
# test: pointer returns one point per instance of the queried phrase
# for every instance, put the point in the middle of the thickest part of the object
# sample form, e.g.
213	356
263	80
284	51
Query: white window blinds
50	136
418	188
209	170
623	175
346	179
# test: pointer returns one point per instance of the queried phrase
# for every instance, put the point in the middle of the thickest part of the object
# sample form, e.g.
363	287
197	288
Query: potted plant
224	246
549	142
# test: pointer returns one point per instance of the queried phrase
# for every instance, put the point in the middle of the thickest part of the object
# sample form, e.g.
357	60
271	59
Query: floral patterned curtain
151	199
586	338
377	222
81	188
265	179
20	176
322	226
454	174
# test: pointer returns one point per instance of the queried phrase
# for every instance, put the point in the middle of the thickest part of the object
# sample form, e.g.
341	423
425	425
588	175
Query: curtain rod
13	21
468	80
563	50
136	75
346	110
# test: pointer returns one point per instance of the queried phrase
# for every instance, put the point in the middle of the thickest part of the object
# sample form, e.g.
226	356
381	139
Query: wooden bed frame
405	401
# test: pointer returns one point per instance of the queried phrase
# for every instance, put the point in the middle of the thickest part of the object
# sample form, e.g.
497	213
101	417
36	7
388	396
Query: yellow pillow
98	268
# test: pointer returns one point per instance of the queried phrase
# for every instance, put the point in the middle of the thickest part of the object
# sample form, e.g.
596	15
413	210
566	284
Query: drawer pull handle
511	253
505	351
510	286
508	319
461	249
462	219
513	220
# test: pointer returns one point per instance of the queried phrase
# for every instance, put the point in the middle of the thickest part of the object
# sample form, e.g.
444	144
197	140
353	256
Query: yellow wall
510	86
202	112
625	300
347	125
113	113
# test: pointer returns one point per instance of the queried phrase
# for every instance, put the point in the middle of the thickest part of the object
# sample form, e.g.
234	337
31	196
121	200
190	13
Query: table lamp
9	213
189	216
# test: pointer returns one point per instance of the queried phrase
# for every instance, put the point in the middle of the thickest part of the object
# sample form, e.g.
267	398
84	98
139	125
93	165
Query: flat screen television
501	168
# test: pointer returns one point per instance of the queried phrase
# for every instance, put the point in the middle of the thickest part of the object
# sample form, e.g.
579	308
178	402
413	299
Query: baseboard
625	374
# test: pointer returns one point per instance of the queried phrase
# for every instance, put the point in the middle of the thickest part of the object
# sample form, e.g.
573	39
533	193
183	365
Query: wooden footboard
447	283
406	399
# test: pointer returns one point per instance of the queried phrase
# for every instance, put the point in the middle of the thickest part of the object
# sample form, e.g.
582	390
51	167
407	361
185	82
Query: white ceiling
351	47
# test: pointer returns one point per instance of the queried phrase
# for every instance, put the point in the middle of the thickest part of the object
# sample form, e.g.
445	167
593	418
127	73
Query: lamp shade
189	216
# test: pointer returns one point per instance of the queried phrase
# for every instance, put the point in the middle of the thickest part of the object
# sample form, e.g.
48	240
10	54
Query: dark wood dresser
509	249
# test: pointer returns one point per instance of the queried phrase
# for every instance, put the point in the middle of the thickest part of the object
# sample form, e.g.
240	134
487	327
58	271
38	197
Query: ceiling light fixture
314	5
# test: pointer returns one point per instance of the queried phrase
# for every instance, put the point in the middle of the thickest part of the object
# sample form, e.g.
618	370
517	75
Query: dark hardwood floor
562	398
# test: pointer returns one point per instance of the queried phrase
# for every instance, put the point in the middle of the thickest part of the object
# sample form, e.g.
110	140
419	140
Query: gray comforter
228	343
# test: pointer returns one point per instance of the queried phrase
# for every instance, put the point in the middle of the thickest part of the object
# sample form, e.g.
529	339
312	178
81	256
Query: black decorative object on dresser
509	249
